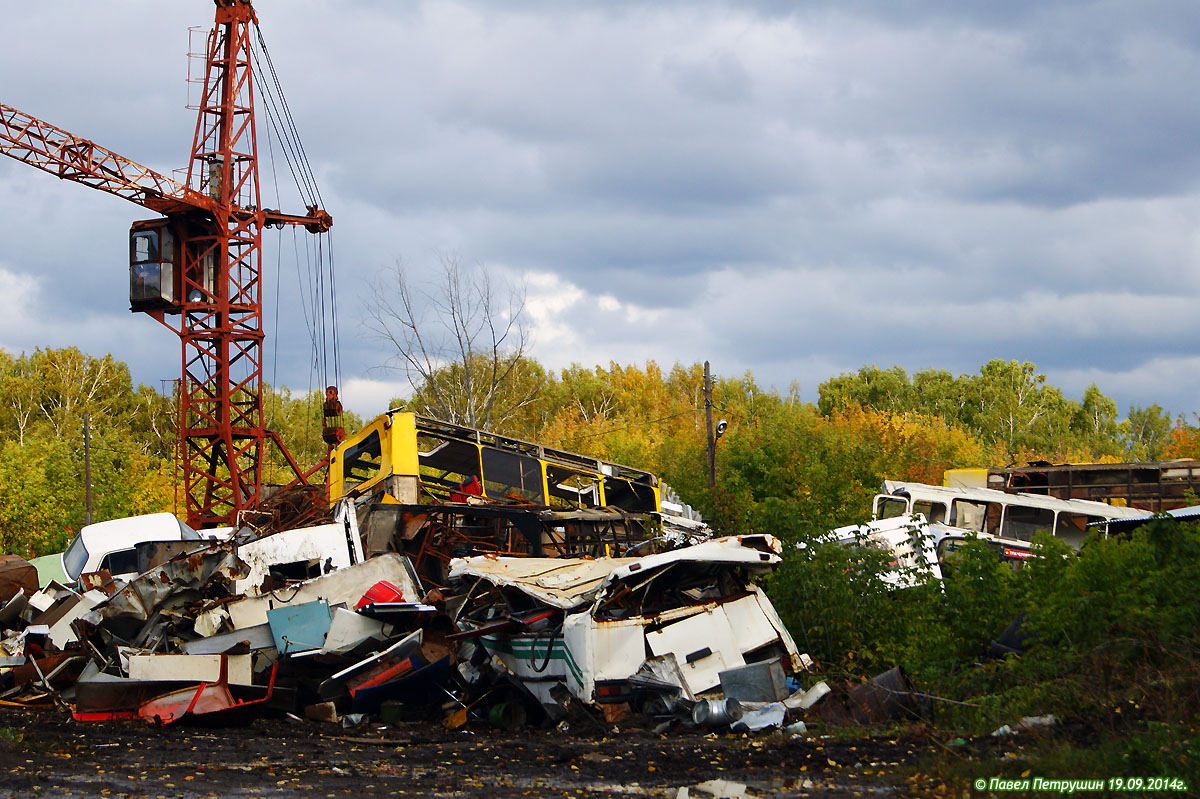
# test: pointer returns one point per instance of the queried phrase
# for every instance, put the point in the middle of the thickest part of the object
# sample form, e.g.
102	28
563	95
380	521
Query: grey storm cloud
792	188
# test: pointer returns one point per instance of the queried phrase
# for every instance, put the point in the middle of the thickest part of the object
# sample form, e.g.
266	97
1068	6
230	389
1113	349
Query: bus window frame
931	516
882	499
1006	523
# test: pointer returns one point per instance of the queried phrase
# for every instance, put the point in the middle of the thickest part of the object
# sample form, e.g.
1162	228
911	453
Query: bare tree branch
460	346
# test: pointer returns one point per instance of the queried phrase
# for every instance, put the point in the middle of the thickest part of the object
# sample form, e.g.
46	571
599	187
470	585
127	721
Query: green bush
1113	630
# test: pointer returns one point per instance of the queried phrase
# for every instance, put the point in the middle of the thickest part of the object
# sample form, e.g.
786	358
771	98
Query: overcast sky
791	188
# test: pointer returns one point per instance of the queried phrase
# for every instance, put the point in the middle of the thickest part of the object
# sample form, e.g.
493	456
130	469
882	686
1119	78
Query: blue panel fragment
299	628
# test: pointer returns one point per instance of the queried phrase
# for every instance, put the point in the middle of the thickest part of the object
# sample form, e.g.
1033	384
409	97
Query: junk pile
651	634
299	622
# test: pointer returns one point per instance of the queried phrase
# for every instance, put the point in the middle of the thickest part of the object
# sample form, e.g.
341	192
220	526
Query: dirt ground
57	756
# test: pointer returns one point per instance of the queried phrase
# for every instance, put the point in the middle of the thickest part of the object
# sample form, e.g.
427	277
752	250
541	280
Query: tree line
784	466
789	465
43	398
461	341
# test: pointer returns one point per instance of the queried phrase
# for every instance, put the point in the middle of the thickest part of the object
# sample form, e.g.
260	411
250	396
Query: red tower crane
197	268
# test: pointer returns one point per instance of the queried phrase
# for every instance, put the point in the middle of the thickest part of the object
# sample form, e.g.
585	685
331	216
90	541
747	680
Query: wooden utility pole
712	439
87	470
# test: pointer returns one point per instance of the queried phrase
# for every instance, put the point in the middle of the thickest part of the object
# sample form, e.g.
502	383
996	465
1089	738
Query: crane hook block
333	433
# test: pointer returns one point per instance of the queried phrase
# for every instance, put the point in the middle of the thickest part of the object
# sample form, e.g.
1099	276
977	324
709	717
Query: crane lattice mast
198	268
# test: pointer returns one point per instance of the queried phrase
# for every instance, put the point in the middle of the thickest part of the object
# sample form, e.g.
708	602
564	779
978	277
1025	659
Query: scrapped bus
921	524
432	490
414	459
999	515
1152	486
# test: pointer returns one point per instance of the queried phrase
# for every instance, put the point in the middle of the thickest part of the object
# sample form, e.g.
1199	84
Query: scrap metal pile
299	621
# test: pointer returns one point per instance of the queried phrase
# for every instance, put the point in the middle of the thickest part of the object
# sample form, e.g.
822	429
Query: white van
110	545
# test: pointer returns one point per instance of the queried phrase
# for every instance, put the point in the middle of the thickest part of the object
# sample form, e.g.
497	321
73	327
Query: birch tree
461	342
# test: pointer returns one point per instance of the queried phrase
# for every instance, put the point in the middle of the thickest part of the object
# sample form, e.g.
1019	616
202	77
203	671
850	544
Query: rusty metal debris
499	610
17	576
884	697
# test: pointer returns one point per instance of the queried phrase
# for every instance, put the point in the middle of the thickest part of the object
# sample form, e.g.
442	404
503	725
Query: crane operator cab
161	253
153	266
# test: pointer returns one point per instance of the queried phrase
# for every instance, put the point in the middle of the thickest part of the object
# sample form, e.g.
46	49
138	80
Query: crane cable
284	127
322	301
309	318
303	186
